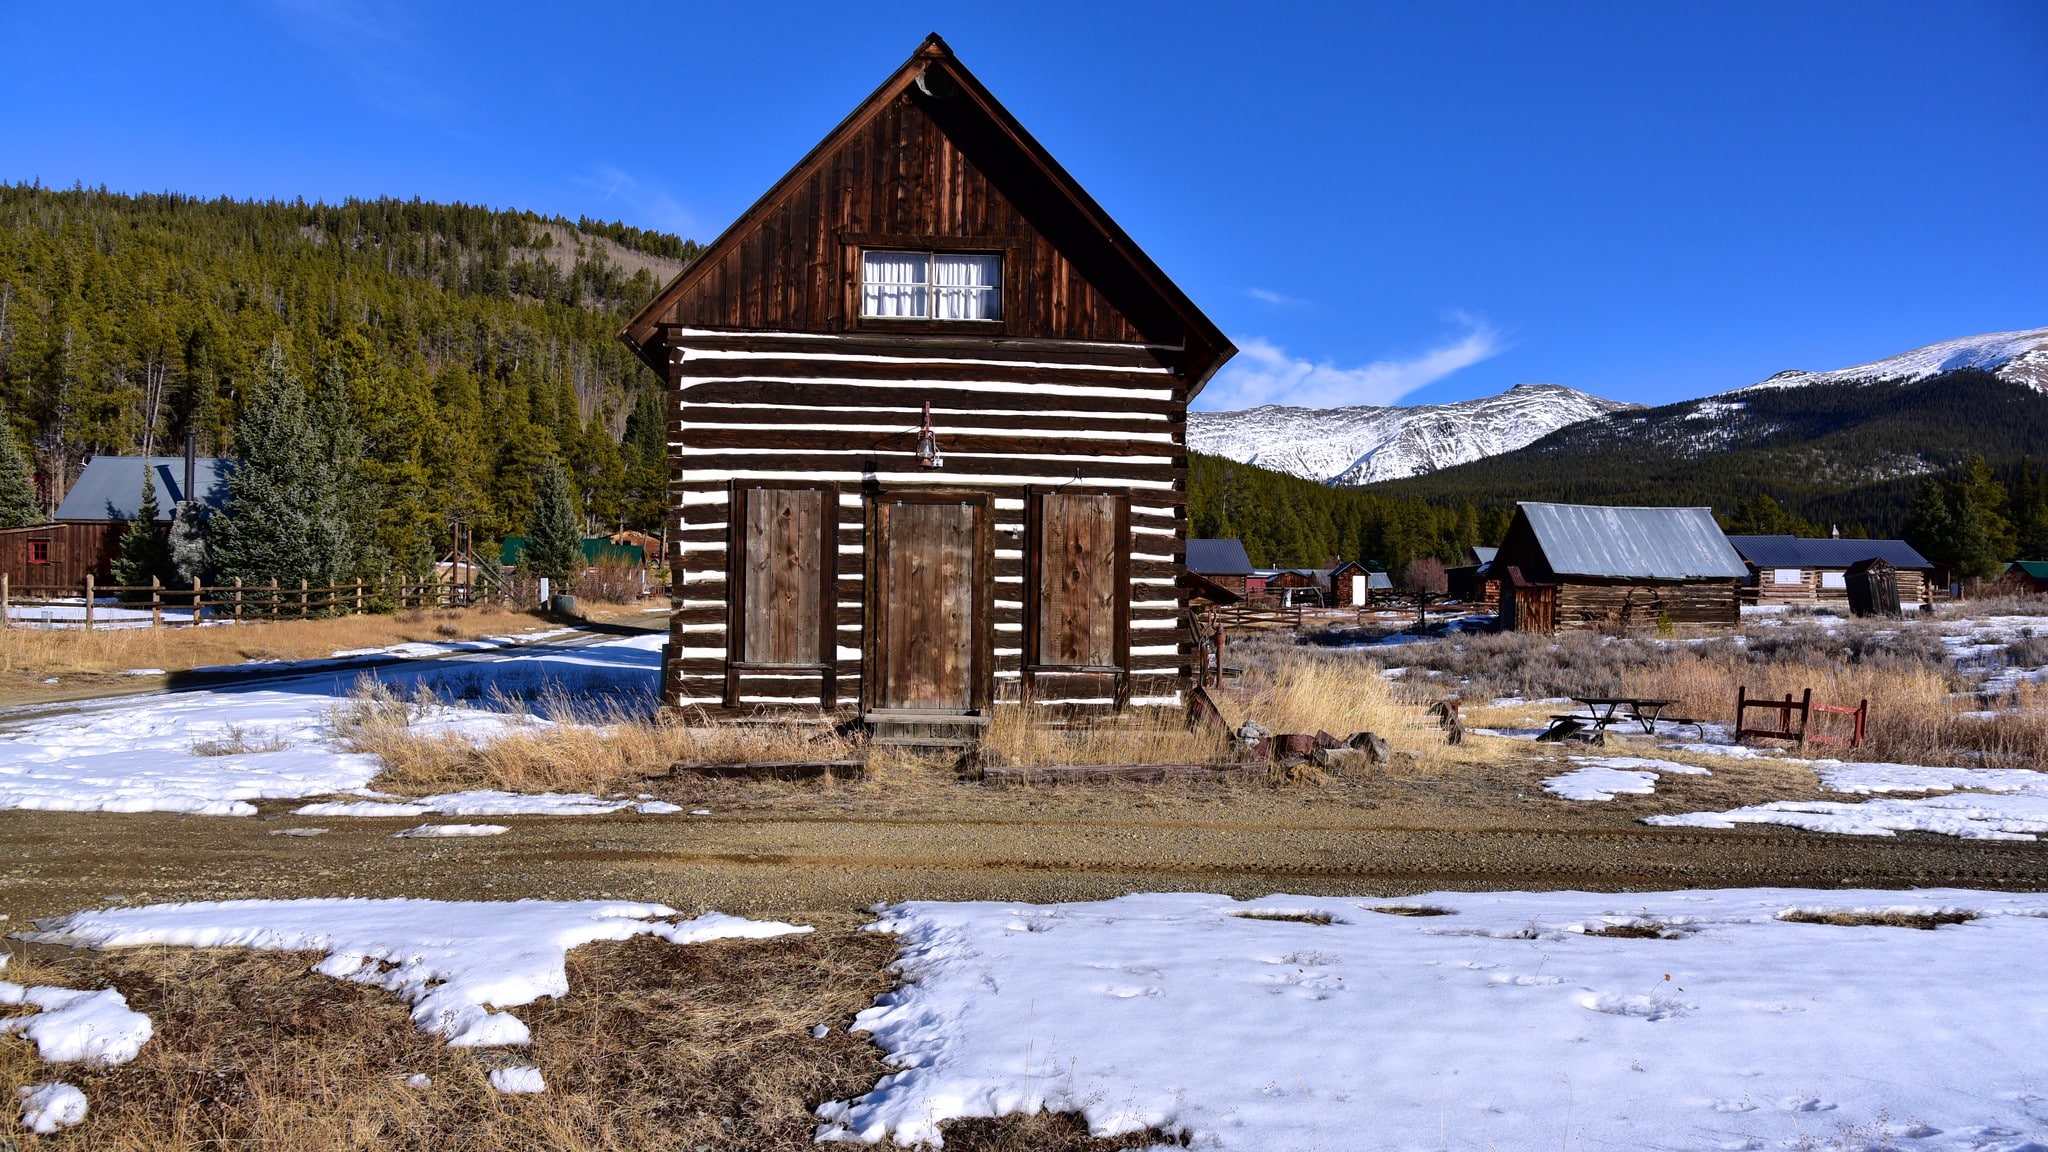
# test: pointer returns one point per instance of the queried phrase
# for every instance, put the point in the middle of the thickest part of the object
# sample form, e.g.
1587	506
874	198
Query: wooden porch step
926	731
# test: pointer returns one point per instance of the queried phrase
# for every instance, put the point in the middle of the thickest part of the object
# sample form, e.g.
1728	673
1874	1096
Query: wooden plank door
1077	557
782	584
930	596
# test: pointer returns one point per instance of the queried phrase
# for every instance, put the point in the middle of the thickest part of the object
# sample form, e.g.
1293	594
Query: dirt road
824	854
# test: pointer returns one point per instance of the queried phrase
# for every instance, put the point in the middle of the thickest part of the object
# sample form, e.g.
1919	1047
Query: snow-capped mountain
1364	444
2021	357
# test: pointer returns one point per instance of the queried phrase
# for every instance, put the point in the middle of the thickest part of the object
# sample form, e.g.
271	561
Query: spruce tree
266	529
554	541
191	554
18	504
145	553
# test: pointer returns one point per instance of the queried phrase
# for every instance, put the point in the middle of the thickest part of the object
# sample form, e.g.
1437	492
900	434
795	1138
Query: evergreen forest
466	347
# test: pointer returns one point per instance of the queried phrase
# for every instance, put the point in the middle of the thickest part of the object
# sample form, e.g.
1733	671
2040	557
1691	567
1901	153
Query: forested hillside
473	345
1288	522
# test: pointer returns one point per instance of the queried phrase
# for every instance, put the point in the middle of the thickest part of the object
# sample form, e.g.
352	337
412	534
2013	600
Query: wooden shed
1585	566
1224	562
2023	578
927	429
60	554
1805	570
85	535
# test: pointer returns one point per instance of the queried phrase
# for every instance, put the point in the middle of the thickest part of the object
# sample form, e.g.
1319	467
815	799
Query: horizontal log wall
1010	416
1913	588
1708	603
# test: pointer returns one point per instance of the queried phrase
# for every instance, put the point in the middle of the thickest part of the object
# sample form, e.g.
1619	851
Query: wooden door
930	596
1077	583
782	584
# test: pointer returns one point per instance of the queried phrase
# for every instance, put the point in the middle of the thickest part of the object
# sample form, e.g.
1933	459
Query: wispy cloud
1276	299
624	197
375	45
1264	373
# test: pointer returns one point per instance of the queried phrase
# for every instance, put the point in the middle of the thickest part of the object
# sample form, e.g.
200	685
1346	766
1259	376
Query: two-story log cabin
927	429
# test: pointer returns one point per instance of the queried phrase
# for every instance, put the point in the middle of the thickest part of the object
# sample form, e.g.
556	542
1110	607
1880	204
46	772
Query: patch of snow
1502	1025
1970	817
143	672
419	1080
520	1080
1865	779
1600	784
135	754
454	961
45	1108
428	831
487	802
2016	356
298	832
97	1028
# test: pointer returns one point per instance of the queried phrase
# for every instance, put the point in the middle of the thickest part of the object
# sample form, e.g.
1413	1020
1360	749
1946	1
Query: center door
930	598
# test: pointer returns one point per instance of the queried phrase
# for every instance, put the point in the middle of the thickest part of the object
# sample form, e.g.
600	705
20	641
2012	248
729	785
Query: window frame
736	662
37	550
855	245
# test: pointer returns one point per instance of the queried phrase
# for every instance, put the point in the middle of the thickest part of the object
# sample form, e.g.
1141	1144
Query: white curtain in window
1787	576
966	287
893	283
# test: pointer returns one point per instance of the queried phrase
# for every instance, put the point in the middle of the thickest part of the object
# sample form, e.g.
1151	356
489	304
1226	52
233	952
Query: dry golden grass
593	746
655	1047
73	652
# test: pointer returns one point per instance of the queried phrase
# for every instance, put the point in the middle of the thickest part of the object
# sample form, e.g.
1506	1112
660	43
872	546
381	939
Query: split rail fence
233	601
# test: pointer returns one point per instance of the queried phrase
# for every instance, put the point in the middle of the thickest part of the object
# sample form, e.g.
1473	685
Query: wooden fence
233	601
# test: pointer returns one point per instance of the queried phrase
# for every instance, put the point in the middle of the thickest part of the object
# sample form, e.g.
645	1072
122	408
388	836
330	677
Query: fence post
359	595
156	602
6	608
273	598
88	602
195	599
238	599
302	597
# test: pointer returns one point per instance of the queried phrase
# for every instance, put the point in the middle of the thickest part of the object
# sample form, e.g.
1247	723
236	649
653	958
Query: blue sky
1420	202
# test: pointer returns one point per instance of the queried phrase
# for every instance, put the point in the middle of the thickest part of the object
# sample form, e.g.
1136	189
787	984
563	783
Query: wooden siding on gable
895	182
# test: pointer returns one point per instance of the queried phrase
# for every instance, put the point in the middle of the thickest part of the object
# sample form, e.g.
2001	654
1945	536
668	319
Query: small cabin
1474	582
84	537
927	430
1223	562
1807	571
2023	578
1350	585
1587	566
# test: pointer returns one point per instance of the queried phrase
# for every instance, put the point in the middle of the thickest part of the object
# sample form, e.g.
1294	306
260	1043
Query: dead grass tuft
655	1046
237	741
1046	1132
1634	932
1323	918
1925	921
1412	910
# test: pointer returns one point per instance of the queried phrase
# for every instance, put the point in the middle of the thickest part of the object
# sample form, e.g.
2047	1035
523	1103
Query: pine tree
191	554
145	553
554	542
266	528
18	504
346	512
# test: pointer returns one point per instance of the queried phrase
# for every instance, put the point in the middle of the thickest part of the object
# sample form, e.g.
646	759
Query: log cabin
927	430
1224	562
1795	570
1583	566
84	537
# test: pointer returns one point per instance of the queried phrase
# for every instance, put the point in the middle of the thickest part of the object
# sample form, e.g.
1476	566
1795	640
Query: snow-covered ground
459	963
164	752
1975	803
1605	777
1500	1024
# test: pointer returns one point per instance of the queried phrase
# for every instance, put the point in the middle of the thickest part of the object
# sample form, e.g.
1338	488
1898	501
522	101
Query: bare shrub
238	741
613	582
1925	921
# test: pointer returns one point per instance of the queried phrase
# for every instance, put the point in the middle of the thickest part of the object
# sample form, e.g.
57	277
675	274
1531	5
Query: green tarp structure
596	550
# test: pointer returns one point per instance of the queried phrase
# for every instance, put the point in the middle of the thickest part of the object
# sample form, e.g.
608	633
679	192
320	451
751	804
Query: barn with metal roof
1592	566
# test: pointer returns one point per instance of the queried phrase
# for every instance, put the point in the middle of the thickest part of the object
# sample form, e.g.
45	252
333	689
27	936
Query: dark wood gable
931	161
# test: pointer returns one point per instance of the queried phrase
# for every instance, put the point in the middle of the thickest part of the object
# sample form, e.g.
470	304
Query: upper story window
931	285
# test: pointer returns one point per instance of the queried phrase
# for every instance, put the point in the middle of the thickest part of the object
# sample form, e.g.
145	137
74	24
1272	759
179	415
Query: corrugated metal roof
1378	580
1215	557
2037	569
110	488
1633	543
1800	552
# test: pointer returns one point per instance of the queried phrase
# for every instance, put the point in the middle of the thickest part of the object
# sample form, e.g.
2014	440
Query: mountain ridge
1364	444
